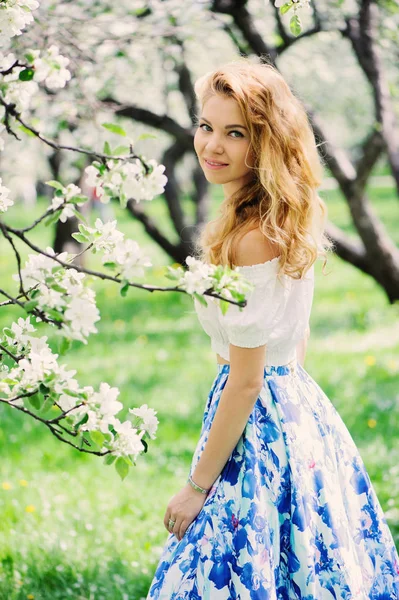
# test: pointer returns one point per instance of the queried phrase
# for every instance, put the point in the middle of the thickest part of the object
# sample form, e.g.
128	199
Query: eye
234	130
239	132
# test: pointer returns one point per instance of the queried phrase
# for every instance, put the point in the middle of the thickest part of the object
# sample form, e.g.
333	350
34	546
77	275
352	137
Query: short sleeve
253	325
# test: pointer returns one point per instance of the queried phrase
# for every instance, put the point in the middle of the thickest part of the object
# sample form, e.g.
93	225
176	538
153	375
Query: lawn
70	528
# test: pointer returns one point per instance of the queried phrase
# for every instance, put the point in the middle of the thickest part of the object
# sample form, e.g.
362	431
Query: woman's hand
183	508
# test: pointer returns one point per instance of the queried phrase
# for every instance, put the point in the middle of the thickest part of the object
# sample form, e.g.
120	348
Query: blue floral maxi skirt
292	515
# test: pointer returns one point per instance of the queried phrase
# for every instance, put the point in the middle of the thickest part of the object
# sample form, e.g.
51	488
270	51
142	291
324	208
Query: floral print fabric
293	514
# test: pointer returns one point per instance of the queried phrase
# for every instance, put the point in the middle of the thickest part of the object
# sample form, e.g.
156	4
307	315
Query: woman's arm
244	382
301	348
235	405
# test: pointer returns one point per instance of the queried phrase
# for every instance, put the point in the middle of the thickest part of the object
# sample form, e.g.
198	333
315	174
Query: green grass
70	528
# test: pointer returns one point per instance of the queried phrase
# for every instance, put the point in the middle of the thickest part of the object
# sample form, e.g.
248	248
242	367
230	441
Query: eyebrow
226	126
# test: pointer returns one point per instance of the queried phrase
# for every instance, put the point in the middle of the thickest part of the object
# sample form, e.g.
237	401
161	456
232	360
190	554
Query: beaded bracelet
196	487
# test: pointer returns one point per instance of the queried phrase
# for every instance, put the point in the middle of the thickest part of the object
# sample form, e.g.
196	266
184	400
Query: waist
273	357
285	369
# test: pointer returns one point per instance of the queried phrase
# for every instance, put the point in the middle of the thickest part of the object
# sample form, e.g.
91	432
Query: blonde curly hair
281	199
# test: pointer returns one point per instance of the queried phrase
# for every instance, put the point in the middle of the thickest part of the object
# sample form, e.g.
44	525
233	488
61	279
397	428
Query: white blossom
50	298
150	421
21	329
76	305
80	315
151	185
128	442
130	259
14	16
5	201
127	180
69	192
51	68
105	235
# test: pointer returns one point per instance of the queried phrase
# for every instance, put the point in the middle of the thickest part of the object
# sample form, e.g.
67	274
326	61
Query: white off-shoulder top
277	314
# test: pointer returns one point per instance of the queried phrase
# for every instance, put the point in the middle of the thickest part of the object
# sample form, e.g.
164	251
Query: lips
216	163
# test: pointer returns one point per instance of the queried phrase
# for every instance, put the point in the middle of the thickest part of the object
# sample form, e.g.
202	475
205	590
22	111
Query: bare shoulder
254	248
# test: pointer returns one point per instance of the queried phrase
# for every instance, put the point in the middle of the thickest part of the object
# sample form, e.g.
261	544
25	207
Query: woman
278	504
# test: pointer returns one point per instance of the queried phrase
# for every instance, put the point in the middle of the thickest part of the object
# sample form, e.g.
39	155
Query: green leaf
64	345
145	445
26	74
200	298
79	215
26	130
71	393
119	150
123	200
295	25
124	288
43	389
30	305
55	184
78	198
97	437
83	229
8	332
109	265
29	57
79	237
35	400
121	467
144	136
81	422
52	218
47	404
114	128
54	314
107	149
172	276
109	459
286	7
223	306
58	288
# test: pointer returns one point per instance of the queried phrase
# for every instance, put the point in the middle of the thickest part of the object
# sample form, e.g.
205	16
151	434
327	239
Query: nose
214	145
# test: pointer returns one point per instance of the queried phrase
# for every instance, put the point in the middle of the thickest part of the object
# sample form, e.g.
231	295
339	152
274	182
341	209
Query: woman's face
222	137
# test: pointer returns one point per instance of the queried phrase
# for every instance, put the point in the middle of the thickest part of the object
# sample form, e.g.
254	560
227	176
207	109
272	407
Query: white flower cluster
201	276
60	293
125	256
5	201
126	180
13	90
150	421
67	196
14	16
95	411
50	67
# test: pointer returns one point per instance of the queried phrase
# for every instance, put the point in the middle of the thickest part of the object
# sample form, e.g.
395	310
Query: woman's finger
166	519
169	517
183	529
176	527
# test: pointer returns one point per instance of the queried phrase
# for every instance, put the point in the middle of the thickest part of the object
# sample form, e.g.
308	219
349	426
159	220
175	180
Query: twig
16	358
10	110
53	429
18	257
